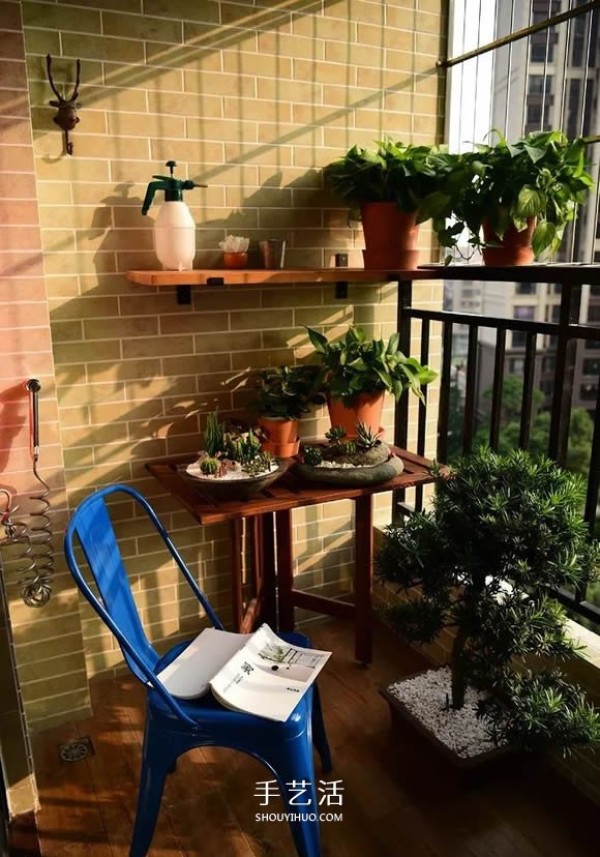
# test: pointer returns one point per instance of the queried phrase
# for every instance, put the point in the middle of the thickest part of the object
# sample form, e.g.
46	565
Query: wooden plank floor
398	799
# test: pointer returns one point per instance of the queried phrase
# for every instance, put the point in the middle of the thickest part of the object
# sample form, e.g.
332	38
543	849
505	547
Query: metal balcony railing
560	339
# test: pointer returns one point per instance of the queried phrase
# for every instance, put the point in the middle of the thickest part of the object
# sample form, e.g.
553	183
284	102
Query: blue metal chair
174	725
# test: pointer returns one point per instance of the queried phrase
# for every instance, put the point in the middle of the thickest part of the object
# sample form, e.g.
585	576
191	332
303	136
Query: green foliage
411	176
503	530
581	427
535	710
542	175
354	364
288	392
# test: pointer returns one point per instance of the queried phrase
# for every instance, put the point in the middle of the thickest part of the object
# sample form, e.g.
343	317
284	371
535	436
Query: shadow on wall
13	414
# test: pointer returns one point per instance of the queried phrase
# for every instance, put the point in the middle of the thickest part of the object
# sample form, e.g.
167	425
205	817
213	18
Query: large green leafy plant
542	176
354	364
393	172
503	530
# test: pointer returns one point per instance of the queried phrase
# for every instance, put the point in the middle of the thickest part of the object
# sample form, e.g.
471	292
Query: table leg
267	559
363	580
237	602
285	569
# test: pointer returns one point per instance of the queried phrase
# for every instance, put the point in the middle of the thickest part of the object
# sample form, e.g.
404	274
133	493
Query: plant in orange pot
357	372
396	187
285	394
516	199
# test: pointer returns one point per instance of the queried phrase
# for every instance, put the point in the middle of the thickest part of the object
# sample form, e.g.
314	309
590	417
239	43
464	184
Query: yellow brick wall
252	100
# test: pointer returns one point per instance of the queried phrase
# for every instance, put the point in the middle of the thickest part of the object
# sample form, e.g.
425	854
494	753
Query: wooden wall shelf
229	278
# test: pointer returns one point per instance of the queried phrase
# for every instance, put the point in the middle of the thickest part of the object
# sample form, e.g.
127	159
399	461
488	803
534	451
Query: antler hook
66	117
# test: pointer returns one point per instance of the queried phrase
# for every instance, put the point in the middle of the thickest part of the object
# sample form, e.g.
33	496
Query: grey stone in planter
373	475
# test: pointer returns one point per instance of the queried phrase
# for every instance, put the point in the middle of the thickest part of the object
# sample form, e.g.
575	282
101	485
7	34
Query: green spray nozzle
172	187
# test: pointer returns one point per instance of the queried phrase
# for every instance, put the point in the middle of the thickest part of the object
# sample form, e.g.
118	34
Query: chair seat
206	708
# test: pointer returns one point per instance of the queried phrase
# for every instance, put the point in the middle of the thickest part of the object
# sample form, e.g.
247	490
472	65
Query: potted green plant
284	395
515	199
503	531
396	187
231	464
356	373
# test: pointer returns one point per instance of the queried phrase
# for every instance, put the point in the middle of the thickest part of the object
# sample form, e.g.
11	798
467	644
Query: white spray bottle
174	228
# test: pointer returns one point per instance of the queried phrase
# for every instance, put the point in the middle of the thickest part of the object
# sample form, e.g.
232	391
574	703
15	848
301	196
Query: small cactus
348	447
209	466
312	456
366	438
259	464
213	434
335	433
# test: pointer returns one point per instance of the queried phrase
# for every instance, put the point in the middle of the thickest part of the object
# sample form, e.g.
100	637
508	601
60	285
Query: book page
268	677
188	676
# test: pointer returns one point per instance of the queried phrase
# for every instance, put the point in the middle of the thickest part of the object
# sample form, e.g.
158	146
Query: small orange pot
281	450
515	247
235	260
365	408
280	431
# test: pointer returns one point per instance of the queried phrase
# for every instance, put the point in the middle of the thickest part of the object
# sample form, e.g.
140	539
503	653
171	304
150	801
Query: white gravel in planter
425	697
231	475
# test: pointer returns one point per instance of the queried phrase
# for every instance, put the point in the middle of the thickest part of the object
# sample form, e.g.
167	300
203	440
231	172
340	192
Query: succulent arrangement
230	450
364	450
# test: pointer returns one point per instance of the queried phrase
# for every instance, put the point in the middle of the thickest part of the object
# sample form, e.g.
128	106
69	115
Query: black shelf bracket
184	295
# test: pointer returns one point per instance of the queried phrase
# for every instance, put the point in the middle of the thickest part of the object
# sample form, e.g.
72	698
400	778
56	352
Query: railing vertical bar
422	429
445	380
593	485
470	390
498	384
527	401
593	488
403	326
422	426
566	350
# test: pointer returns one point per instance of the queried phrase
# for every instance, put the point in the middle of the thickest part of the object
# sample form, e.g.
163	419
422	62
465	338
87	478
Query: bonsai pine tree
503	531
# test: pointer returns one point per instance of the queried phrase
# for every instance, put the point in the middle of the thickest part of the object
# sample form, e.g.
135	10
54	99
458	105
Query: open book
257	673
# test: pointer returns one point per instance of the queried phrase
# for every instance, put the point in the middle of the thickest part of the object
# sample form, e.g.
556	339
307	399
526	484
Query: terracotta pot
235	260
364	408
281	450
280	431
515	246
391	236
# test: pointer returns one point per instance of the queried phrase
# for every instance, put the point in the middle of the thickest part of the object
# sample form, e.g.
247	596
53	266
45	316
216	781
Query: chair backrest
91	525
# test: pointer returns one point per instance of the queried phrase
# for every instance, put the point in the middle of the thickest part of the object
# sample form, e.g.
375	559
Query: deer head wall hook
66	118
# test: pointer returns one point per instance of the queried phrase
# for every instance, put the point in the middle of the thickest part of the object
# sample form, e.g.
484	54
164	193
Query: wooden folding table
270	517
